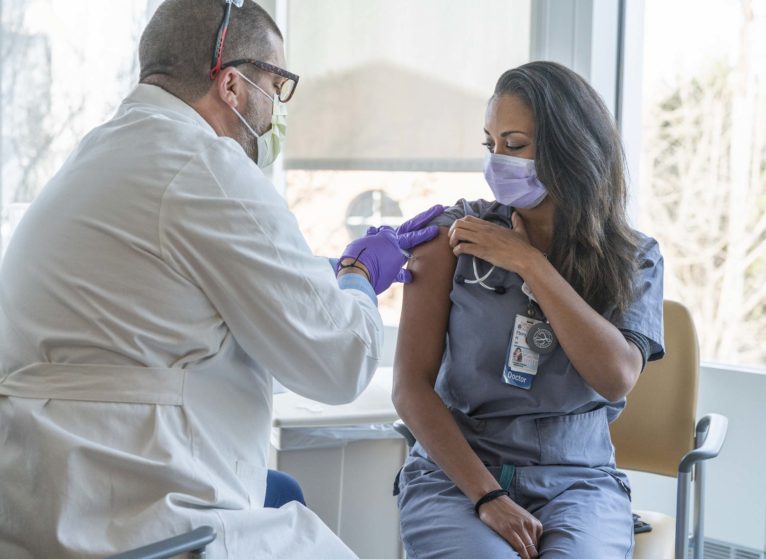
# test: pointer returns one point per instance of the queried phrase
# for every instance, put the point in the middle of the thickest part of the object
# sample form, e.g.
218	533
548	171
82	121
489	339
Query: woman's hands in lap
514	524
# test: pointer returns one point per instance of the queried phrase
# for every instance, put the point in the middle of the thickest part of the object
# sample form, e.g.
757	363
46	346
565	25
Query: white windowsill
732	368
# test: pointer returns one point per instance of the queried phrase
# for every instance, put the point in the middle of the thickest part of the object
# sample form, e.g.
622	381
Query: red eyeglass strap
220	39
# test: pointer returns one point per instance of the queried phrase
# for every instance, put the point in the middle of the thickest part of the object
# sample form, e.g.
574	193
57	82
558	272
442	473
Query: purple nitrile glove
383	249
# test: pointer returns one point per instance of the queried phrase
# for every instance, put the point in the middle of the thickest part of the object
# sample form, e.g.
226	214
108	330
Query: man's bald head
177	45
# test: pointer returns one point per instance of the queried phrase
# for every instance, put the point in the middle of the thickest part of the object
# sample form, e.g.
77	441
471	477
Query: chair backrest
657	426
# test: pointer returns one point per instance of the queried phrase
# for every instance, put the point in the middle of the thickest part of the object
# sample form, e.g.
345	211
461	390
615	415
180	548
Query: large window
388	119
65	67
703	173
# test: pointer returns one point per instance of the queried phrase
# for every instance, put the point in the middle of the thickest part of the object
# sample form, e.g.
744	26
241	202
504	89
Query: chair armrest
191	541
405	432
715	425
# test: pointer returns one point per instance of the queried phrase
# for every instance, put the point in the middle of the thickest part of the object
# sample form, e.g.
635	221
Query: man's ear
228	86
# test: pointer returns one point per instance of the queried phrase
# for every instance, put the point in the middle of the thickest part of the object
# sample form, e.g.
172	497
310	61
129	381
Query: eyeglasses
285	90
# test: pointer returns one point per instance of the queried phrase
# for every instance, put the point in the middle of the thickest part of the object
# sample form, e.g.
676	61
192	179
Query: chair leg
710	435
699	503
682	515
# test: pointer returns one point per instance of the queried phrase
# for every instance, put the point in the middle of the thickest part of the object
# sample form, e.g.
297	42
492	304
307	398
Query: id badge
521	361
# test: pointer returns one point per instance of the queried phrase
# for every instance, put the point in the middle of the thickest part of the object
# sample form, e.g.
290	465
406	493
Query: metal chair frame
194	543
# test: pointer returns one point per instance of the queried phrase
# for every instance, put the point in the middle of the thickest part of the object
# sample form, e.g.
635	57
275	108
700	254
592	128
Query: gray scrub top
561	419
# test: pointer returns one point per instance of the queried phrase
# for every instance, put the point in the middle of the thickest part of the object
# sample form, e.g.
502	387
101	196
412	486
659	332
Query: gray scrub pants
585	513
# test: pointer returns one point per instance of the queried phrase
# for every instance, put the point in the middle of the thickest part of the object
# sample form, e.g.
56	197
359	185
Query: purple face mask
514	181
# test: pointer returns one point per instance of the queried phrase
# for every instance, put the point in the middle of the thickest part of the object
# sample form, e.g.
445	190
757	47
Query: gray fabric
480	326
585	512
556	433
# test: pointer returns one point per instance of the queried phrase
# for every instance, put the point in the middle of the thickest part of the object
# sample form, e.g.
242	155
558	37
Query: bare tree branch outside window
704	197
42	122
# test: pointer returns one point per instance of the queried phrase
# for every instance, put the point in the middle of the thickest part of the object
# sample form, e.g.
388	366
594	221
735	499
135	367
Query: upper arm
242	247
425	313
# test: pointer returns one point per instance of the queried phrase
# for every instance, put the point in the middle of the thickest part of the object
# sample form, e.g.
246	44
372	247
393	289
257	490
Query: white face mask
270	142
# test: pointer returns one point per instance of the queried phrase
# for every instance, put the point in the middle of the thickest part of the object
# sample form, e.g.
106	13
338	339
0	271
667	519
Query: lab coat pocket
253	479
580	439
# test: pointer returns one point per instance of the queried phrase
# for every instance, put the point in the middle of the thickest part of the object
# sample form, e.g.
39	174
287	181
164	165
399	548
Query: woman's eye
491	147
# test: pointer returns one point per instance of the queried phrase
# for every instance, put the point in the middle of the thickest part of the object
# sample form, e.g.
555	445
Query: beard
249	142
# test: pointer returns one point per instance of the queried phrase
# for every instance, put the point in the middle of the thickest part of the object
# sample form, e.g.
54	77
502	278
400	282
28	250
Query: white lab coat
146	300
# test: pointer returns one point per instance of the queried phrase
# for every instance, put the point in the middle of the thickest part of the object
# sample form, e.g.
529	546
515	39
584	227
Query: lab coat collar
145	94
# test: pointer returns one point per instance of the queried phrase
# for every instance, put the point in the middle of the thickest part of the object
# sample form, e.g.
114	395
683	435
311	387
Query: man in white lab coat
150	294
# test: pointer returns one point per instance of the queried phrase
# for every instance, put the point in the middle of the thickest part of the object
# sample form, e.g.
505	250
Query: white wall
736	484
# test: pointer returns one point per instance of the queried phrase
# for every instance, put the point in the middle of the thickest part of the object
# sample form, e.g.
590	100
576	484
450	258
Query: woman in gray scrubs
532	319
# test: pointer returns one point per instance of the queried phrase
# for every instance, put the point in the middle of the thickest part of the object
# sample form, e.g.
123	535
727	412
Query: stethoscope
540	336
500	290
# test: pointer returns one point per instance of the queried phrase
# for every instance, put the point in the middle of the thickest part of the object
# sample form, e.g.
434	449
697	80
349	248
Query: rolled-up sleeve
225	228
644	315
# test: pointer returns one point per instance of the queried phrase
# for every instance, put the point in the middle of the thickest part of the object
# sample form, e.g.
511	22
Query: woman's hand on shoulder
505	248
514	524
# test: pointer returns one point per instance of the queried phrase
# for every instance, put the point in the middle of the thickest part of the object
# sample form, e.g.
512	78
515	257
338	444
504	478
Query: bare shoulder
426	303
432	265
